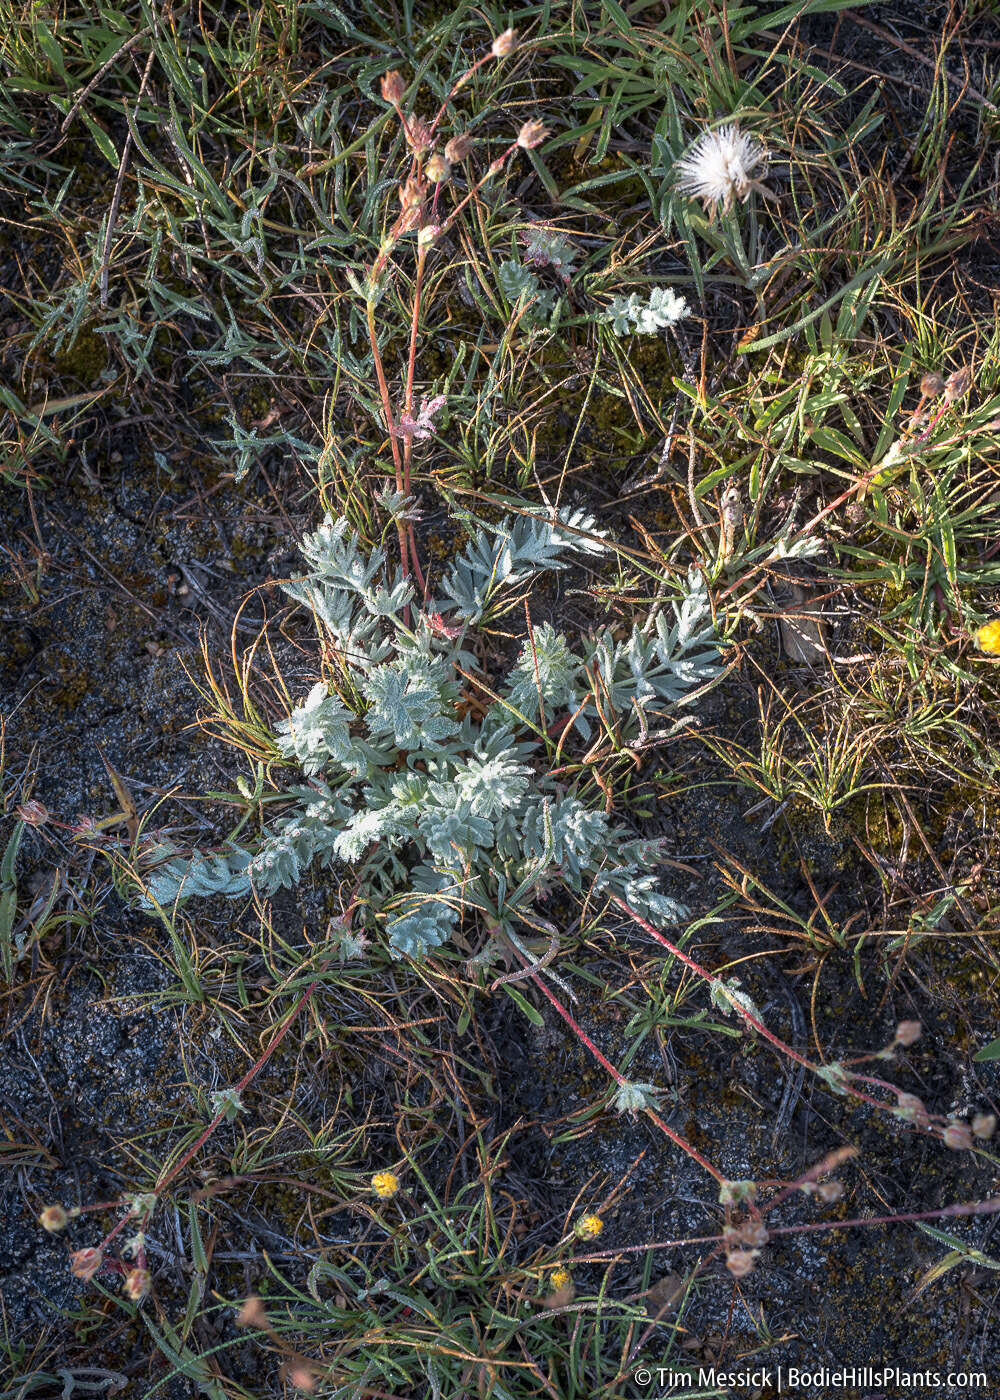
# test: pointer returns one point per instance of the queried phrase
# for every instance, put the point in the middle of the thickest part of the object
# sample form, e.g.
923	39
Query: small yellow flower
588	1227
385	1185
988	637
561	1278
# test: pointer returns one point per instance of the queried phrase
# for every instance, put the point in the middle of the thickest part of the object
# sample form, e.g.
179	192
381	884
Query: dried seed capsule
984	1125
957	384
458	148
252	1313
393	87
53	1219
419	136
912	1109
437	169
411	194
957	1136
137	1284
84	1263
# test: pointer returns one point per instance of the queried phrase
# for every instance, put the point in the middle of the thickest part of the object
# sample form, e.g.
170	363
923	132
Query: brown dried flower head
411	194
393	87
299	1375
957	1136
754	1232
740	1262
931	384
84	1263
419	136
957	384
252	1313
137	1284
411	197
504	43
458	148
532	134
909	1106
53	1219
34	813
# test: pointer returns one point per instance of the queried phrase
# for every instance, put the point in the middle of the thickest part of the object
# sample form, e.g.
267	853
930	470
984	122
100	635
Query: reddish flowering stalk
987	1207
710	977
408	400
847	1081
420	138
828	1164
962	1210
383	389
168	1175
502	45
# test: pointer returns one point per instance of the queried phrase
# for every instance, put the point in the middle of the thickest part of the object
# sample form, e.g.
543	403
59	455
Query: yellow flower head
988	638
385	1185
561	1278
588	1227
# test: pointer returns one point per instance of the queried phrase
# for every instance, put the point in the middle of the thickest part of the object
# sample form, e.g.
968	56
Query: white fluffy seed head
721	166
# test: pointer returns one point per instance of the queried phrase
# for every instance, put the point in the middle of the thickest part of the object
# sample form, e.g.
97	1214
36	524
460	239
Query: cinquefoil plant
438	813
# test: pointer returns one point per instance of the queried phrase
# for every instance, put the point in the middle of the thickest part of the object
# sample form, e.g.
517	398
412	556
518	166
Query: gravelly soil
103	594
98	1057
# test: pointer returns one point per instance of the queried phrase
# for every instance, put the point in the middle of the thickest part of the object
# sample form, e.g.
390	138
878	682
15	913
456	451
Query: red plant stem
459	83
991	1206
164	1180
932	424
715	981
383	389
873	1079
168	1175
114	1231
987	1207
748	1016
828	1164
492	170
408	401
619	1078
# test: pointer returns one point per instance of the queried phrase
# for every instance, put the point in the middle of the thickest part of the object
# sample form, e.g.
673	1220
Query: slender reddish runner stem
847	1081
619	1078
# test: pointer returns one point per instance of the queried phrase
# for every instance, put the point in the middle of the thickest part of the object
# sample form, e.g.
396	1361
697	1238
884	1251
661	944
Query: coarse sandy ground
830	821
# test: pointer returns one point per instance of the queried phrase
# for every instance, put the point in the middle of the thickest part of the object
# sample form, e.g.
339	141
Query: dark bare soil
100	1061
108	581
